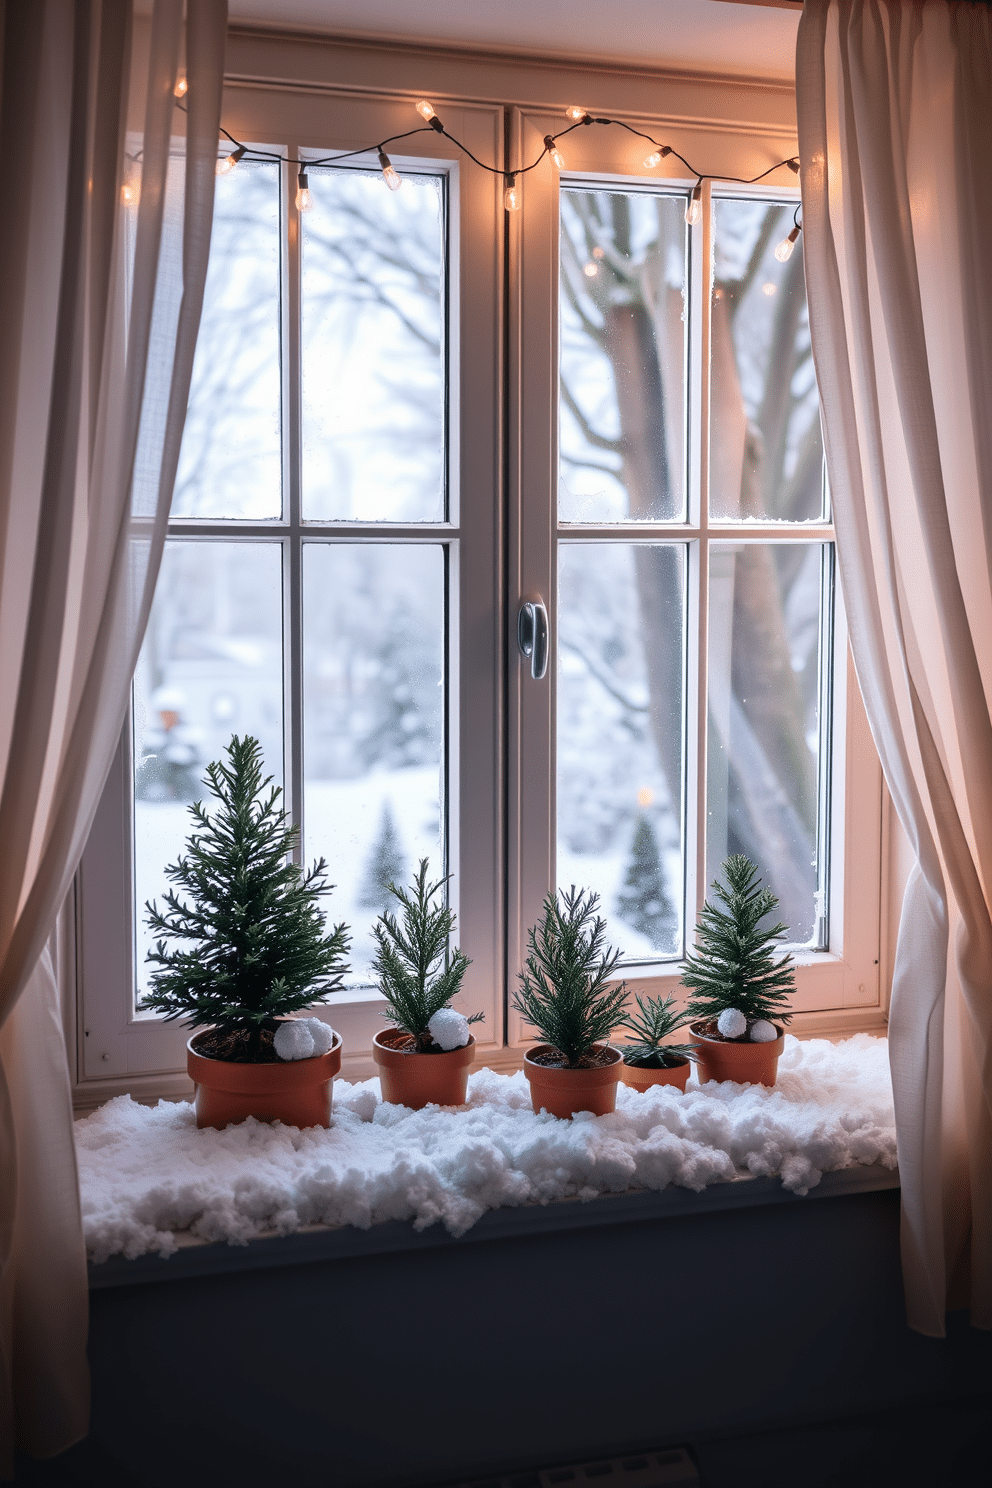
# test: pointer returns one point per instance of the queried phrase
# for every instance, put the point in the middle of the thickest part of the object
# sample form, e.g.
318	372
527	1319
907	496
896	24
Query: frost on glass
373	722
210	667
231	460
623	355
769	628
621	691
766	450
373	349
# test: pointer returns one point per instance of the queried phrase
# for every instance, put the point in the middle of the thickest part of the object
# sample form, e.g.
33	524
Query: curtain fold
892	102
108	192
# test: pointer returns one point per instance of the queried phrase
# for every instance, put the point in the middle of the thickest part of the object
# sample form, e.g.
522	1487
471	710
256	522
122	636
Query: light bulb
511	196
590	270
694	206
129	195
425	110
389	175
784	250
793	164
181	87
554	151
225	166
304	201
575	113
650	161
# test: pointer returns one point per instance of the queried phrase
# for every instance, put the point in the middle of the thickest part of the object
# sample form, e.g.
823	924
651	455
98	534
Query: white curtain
895	119
107	192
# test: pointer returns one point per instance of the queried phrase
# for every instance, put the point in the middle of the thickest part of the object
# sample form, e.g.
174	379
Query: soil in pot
733	1059
437	1078
297	1092
562	1091
642	1077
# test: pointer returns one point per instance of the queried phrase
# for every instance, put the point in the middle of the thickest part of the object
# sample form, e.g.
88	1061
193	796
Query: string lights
578	117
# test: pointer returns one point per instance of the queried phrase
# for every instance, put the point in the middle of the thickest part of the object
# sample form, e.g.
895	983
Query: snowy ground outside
147	1172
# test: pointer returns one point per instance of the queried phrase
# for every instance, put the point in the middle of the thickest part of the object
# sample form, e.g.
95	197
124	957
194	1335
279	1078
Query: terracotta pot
748	1064
296	1092
419	1080
562	1092
639	1078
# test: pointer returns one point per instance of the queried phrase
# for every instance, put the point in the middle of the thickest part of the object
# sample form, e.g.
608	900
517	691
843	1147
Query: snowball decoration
449	1029
146	1171
293	1039
322	1034
763	1032
731	1023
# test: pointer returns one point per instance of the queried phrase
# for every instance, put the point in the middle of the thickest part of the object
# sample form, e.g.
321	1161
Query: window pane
766	450
621	690
769	642
231	461
623	355
210	667
373	722
373	349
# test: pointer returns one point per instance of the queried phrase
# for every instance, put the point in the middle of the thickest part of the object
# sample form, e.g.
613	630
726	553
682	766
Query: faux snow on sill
146	1172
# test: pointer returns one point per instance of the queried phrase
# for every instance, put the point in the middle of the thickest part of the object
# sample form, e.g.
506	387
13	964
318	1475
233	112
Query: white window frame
502	534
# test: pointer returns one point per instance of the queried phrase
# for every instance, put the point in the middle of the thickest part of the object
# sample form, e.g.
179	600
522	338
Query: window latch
532	635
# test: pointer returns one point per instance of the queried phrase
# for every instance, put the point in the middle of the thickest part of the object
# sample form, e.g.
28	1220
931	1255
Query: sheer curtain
893	102
108	195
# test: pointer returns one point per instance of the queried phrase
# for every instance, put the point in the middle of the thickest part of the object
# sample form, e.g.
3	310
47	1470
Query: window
351	539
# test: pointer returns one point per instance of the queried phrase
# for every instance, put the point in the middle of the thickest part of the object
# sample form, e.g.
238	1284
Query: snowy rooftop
147	1172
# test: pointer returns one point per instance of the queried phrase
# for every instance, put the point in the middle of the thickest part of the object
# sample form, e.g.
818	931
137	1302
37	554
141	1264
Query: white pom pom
763	1032
322	1034
293	1040
449	1029
731	1023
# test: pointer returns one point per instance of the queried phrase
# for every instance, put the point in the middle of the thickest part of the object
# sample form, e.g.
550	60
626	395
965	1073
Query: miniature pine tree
385	864
643	902
257	943
734	964
415	971
563	991
653	1023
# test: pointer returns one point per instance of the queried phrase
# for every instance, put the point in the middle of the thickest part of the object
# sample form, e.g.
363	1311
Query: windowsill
197	1258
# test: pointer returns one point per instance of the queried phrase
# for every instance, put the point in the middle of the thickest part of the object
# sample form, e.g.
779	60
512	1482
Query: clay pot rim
707	1038
556	1069
416	1053
656	1069
254	1063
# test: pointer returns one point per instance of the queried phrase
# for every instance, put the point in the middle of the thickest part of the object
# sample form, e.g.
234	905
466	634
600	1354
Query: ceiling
704	35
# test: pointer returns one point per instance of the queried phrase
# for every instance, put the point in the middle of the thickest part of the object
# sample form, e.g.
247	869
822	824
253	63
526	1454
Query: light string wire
511	197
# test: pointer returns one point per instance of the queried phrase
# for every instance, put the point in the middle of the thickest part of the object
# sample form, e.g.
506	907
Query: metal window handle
532	635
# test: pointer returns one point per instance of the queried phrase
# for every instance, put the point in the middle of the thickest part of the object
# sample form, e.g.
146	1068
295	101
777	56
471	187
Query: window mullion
697	605
292	466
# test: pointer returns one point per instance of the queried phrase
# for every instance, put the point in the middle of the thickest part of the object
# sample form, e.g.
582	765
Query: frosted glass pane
373	722
766	771
373	349
210	667
766	450
623	355
621	690
231	461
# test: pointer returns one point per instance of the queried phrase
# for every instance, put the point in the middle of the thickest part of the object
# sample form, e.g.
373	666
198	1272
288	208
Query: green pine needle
734	962
257	948
655	1021
563	991
415	971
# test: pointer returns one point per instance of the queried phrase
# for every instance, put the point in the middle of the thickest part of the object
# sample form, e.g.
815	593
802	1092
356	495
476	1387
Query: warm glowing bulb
590	270
389	175
575	113
225	166
511	196
181	87
554	152
129	195
694	206
650	161
784	250
425	109
304	201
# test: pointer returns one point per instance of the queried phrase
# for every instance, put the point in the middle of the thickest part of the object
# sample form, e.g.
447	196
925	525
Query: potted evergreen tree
564	994
740	987
649	1060
255	952
424	1057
